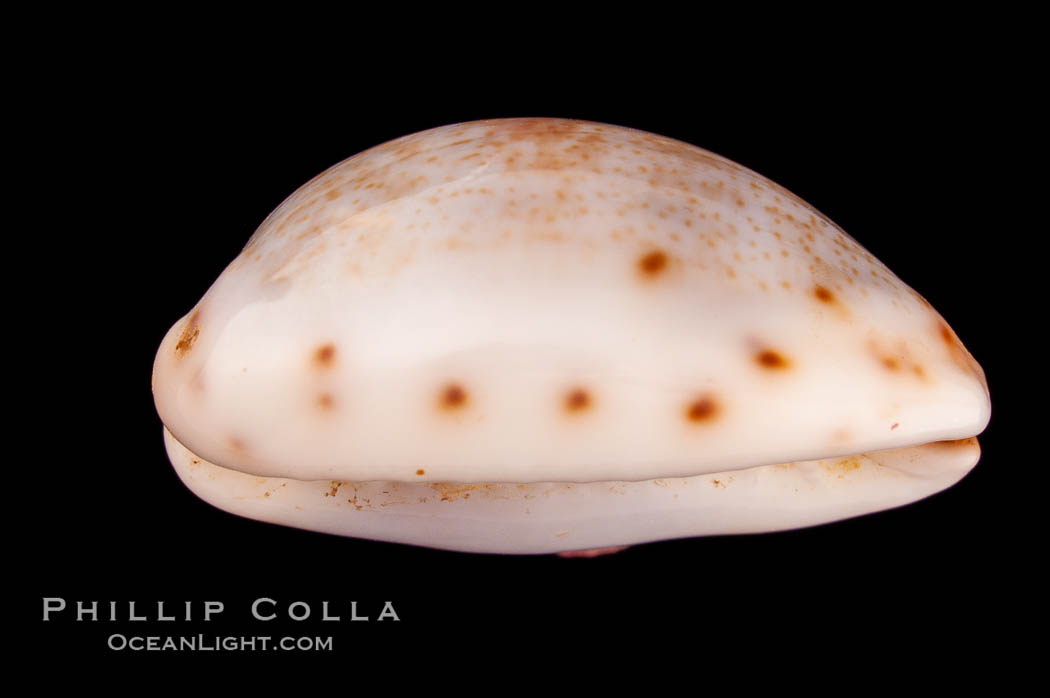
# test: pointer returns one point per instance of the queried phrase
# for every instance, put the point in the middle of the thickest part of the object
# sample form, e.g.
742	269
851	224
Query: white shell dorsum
536	335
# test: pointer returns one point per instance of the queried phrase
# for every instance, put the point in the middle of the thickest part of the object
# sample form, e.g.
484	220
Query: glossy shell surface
548	319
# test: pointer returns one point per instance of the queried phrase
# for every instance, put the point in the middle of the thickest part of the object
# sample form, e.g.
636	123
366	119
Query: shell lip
938	438
549	517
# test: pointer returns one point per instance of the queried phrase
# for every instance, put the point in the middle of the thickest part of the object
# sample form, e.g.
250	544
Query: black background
154	171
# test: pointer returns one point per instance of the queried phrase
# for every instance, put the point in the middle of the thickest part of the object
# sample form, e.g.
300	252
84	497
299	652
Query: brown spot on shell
325	401
652	264
420	472
189	335
236	444
703	409
577	400
947	336
453	397
772	360
897	359
823	294
324	357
